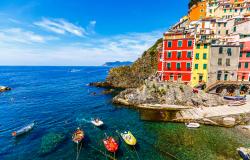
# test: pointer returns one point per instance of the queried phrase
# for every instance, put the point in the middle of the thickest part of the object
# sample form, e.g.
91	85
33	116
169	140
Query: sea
58	100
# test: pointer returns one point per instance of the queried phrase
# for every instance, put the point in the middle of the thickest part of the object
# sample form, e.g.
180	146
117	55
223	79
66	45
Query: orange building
197	11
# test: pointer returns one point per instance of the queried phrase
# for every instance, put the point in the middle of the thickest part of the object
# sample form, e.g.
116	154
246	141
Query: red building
244	62
175	61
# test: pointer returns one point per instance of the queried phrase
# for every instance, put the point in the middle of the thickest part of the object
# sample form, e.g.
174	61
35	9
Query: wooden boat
235	98
237	103
23	130
110	144
244	153
192	125
129	138
78	136
97	122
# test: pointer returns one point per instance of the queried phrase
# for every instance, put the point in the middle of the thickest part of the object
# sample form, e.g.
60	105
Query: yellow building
200	63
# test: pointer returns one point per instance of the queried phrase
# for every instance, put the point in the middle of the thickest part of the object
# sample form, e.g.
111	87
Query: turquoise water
59	100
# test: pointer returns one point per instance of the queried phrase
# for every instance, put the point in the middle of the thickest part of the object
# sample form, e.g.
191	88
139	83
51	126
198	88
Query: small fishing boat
110	144
23	130
192	125
97	122
78	136
244	153
129	138
235	98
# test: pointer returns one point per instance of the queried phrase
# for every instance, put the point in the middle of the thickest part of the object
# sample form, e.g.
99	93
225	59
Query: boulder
229	121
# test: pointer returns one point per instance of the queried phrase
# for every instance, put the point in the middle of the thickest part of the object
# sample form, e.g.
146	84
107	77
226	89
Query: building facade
175	62
223	63
244	62
197	11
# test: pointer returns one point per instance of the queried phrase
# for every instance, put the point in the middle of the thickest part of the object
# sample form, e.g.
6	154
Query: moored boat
110	144
78	136
244	153
23	130
97	122
192	125
235	98
129	138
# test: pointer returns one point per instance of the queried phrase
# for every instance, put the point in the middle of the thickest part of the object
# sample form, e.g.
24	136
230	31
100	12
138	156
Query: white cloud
88	52
61	26
21	36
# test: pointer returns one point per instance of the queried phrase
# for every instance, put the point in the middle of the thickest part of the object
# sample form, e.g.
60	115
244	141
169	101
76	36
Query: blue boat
23	130
235	98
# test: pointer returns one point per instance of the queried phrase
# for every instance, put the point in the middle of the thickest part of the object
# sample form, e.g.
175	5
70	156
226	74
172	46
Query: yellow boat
128	137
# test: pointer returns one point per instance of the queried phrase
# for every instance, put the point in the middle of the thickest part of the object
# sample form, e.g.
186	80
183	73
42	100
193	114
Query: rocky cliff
134	75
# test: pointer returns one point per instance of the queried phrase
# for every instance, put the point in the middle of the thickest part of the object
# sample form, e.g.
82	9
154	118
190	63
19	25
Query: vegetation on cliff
134	75
192	2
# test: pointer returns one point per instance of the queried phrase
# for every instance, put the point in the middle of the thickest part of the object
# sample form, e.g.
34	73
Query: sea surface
59	100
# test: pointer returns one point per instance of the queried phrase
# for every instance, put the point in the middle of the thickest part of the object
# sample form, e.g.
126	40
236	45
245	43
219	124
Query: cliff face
134	75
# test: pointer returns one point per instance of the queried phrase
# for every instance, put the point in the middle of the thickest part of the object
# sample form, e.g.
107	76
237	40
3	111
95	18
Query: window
169	43
178	54
169	54
229	51
218	32
248	54
198	46
188	65
220	50
190	43
204	66
178	65
225	77
180	43
241	9
227	62
196	66
168	65
234	29
225	10
220	61
171	77
226	31
189	54
231	9
197	56
218	24
239	66
225	24
204	56
205	46
241	54
179	76
236	10
161	57
246	65
219	75
241	45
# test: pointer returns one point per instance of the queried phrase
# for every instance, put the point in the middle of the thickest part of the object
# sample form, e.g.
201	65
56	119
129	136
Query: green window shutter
198	46
196	66
190	43
188	65
240	54
189	54
234	29
180	43
225	10
169	44
204	56
248	54
168	65
178	65
246	65
169	54
178	54
204	66
197	56
205	46
239	65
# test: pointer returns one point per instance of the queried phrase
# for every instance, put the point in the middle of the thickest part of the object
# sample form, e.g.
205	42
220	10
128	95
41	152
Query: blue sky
82	32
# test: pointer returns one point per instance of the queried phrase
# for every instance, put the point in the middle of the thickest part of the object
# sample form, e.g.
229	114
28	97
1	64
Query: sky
82	32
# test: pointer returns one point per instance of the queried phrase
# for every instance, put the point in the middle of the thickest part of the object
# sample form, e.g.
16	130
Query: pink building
244	62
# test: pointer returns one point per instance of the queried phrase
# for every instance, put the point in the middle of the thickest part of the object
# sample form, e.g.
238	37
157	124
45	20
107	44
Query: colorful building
175	61
197	11
244	62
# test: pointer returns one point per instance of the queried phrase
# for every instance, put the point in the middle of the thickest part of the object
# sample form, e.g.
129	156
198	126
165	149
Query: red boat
78	136
110	144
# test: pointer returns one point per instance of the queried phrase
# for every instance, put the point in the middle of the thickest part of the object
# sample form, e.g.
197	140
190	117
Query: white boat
23	130
97	122
192	125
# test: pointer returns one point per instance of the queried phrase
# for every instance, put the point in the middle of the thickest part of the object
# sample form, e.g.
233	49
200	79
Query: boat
78	136
192	125
97	122
23	130
235	98
110	144
244	153
129	138
237	103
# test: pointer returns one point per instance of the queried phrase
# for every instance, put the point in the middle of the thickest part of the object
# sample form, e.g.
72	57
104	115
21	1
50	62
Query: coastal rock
229	121
50	142
167	93
4	88
101	84
108	91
